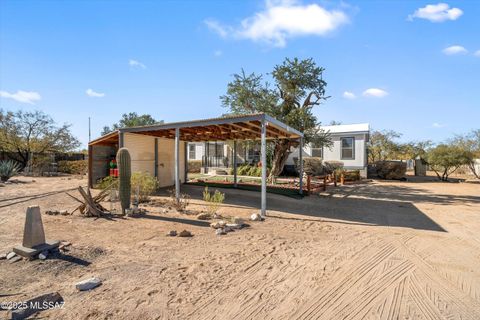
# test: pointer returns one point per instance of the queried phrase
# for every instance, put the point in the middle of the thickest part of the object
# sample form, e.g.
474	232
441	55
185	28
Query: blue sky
398	65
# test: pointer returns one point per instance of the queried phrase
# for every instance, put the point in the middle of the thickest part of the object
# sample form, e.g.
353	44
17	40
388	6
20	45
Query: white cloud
439	12
136	64
22	96
375	92
437	125
454	50
94	94
477	53
349	95
217	53
218	28
282	20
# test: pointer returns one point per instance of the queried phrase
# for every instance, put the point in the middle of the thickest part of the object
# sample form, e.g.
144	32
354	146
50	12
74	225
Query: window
317	152
348	148
191	151
215	149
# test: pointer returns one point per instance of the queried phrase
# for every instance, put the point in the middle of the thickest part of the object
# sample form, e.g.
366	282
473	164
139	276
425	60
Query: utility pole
89	131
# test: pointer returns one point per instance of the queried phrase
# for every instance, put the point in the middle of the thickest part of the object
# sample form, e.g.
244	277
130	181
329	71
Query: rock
256	217
234	225
238	220
15	259
11	255
218	224
64	245
204	216
3	256
64	212
172	233
43	255
185	233
32	306
215	225
220	232
227	229
88	284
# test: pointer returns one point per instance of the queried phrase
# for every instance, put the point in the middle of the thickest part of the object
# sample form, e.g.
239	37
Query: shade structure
258	126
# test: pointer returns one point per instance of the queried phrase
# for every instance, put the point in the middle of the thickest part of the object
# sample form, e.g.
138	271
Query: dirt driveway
389	250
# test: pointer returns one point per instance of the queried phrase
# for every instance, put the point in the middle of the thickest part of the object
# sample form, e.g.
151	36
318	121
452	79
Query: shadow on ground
366	204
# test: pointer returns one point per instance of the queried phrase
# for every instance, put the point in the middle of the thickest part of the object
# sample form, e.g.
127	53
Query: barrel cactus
124	176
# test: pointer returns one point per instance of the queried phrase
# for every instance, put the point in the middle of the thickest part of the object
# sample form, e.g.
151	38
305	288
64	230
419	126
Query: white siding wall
334	153
142	152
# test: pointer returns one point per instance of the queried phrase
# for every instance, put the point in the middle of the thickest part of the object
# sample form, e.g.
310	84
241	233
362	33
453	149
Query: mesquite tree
26	132
299	87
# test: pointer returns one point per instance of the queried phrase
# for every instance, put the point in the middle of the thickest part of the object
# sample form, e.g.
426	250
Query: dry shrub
332	166
391	170
213	200
194	166
73	167
145	184
182	203
312	166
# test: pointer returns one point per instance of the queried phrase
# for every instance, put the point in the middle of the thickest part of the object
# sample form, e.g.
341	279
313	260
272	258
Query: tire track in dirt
439	290
366	294
261	298
341	285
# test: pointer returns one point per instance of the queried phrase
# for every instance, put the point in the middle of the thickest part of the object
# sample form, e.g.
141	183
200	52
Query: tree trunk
471	165
280	156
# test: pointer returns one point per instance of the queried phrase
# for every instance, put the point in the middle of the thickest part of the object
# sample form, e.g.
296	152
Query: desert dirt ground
376	250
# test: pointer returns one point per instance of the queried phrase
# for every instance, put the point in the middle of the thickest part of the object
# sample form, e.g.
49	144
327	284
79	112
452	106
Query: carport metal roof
234	127
237	127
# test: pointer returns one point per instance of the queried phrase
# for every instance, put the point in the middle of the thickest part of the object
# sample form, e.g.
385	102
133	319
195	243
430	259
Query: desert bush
391	170
248	170
213	200
182	203
8	169
73	167
145	184
194	166
108	182
331	166
312	166
353	175
446	159
255	172
243	170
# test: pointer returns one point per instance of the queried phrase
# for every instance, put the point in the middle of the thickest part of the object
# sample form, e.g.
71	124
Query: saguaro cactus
124	175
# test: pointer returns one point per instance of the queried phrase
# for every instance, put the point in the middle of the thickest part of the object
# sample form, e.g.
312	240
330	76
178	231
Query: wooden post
177	164
121	139
264	168
90	166
342	179
334	178
324	183
309	185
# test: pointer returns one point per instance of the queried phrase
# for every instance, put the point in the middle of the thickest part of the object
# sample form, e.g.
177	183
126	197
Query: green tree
382	145
412	150
470	143
131	119
298	87
444	159
33	132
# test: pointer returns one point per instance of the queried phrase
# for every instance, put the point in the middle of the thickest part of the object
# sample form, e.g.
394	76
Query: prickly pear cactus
124	175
